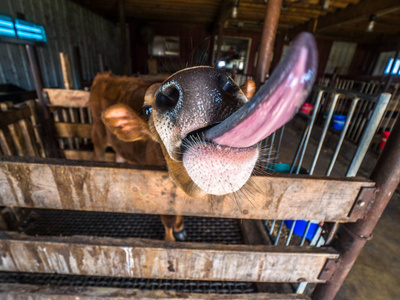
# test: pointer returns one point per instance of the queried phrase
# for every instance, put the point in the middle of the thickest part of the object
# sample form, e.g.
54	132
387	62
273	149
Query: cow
207	129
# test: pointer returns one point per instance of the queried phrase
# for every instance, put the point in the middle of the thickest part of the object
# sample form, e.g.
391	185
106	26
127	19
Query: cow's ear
125	123
248	88
151	94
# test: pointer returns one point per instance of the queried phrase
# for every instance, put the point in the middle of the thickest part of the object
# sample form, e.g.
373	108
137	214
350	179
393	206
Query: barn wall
254	47
67	25
192	37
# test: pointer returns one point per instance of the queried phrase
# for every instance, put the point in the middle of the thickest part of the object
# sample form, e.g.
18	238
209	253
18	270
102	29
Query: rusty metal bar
272	14
386	174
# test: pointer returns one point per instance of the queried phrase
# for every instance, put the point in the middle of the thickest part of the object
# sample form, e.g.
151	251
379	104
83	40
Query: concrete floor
376	273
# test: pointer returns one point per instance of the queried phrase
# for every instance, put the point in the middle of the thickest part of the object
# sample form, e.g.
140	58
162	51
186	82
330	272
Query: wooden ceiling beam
358	12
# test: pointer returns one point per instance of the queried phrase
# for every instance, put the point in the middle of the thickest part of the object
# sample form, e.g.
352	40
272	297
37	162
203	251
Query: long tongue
276	102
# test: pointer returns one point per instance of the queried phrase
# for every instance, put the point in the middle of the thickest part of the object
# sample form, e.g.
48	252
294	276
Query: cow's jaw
204	122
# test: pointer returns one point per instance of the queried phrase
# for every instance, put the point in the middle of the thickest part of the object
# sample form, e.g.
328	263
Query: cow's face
210	132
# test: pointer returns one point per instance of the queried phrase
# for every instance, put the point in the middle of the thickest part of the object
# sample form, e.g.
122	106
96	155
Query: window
382	62
165	46
20	31
389	66
340	57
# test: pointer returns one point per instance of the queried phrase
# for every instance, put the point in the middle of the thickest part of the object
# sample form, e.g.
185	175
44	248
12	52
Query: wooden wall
191	37
67	25
254	47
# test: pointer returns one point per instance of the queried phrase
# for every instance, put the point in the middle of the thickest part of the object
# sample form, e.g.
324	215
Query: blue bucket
285	168
338	122
300	227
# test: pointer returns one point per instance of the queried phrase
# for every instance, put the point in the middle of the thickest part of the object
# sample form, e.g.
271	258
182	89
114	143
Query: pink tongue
272	114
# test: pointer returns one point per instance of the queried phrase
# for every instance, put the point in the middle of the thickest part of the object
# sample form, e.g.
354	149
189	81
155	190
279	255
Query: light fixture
325	4
235	9
372	21
234	12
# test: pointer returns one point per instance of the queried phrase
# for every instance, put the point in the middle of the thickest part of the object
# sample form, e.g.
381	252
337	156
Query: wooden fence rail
91	186
143	258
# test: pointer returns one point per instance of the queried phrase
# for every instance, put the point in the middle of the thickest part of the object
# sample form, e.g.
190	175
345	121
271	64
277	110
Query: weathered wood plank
62	184
39	292
65	130
143	258
13	116
29	137
7	142
66	71
67	98
86	155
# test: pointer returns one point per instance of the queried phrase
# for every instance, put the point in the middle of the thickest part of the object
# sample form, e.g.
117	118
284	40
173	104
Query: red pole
272	13
386	174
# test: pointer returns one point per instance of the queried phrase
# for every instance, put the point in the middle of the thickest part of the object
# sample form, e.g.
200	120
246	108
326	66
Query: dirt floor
376	273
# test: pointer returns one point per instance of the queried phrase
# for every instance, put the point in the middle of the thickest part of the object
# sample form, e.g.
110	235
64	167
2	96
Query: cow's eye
146	111
226	84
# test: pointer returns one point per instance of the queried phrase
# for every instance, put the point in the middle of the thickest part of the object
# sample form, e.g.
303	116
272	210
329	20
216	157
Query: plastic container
384	138
285	168
338	122
307	108
300	227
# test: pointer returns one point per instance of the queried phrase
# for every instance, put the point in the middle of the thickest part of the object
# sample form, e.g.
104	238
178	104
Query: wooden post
66	71
219	41
271	20
123	44
43	113
101	63
224	11
77	67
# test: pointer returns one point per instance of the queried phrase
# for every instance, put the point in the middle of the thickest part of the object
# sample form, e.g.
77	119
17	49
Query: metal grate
186	286
118	225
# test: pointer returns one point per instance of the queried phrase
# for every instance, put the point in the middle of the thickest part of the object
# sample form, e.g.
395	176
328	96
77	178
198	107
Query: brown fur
116	102
137	146
108	90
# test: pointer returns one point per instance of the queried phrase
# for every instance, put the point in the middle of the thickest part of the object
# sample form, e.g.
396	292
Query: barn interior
51	51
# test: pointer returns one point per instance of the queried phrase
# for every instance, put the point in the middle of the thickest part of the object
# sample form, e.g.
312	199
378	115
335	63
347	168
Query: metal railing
327	102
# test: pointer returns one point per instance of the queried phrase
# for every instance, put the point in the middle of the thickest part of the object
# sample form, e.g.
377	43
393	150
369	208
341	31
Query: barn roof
346	19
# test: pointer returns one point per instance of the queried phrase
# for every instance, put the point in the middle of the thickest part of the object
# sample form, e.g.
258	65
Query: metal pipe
324	131
368	134
271	19
290	233
386	174
305	233
270	150
316	107
278	147
299	148
342	135
271	230
389	117
278	234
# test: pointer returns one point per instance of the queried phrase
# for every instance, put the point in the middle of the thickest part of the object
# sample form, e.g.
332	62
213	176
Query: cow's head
208	130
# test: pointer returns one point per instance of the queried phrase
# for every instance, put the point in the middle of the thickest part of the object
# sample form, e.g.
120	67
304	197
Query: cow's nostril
168	97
